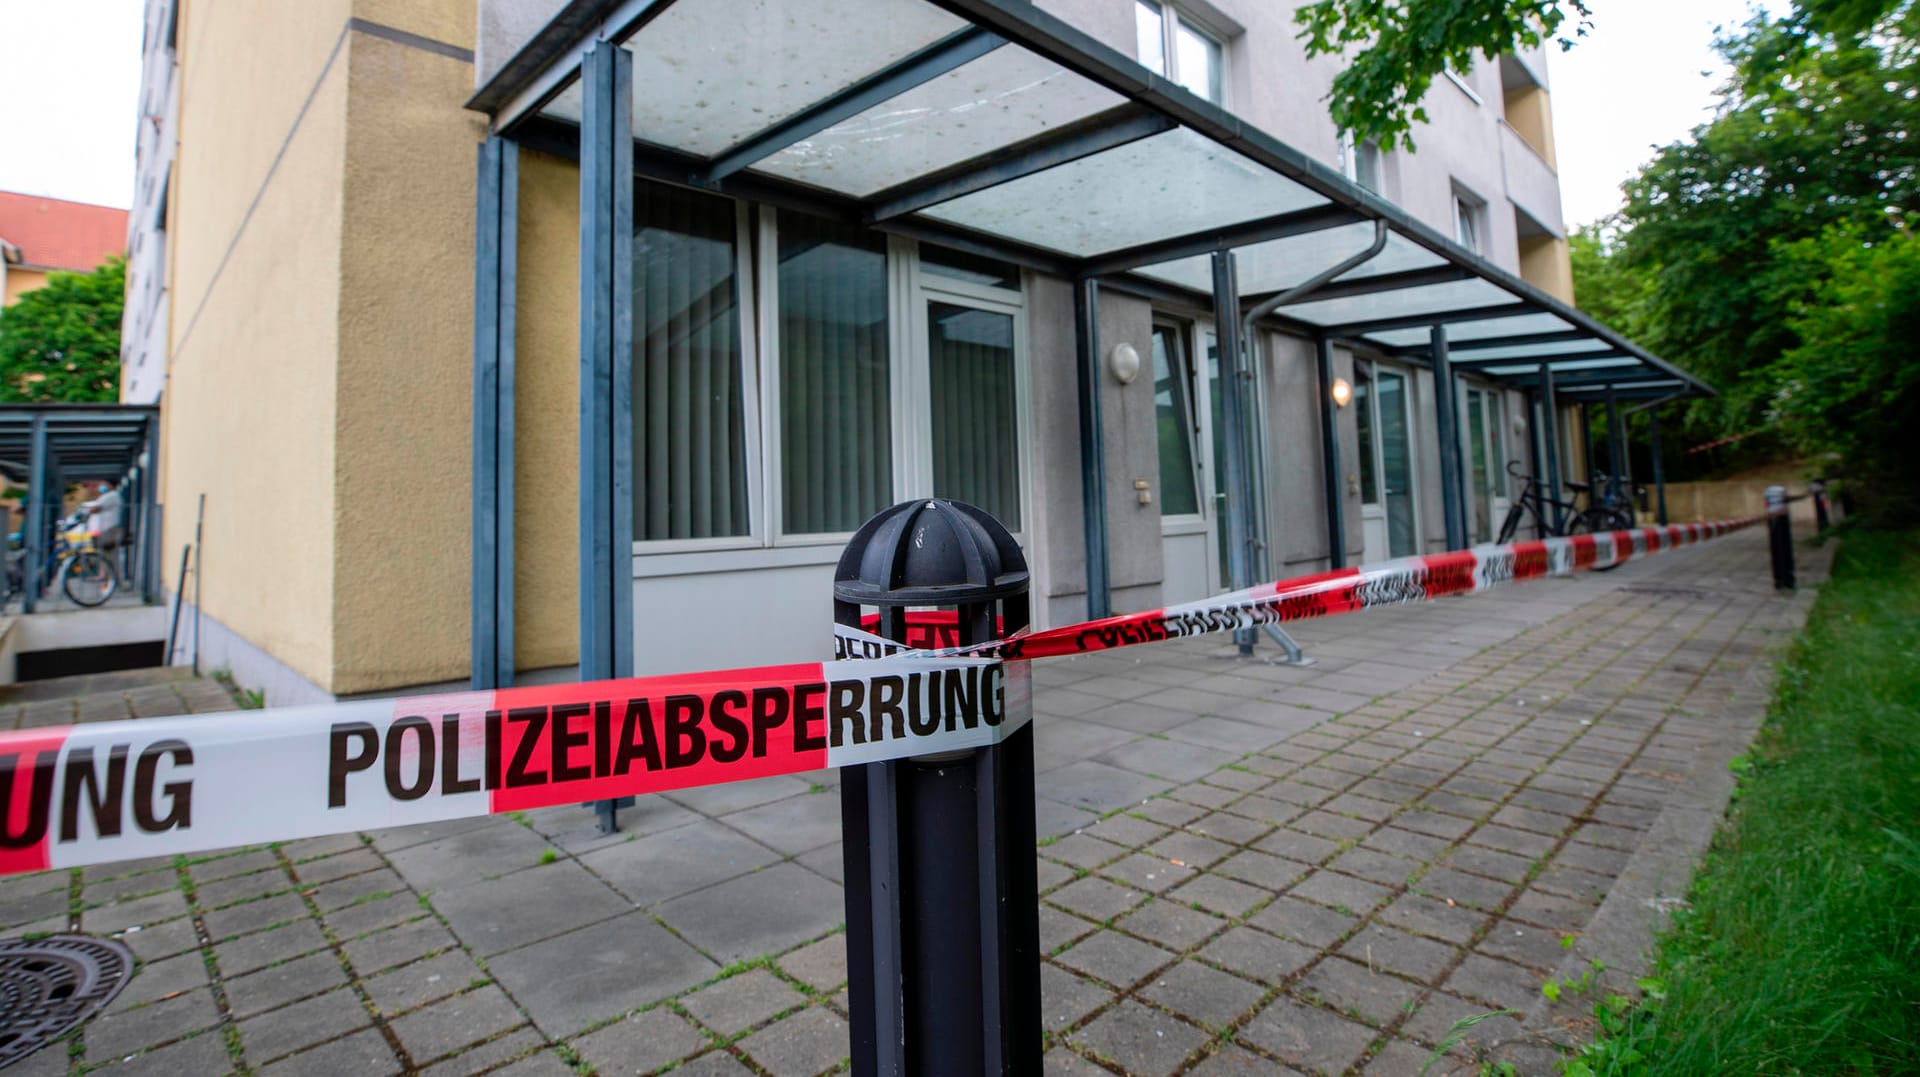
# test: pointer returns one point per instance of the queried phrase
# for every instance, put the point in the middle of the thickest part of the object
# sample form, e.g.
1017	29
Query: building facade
143	331
376	352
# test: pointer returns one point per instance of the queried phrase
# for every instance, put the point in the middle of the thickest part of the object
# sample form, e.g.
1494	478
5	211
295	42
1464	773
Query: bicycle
1603	513
85	574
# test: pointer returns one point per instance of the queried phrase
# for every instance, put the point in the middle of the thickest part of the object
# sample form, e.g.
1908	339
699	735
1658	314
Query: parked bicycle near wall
83	572
1606	510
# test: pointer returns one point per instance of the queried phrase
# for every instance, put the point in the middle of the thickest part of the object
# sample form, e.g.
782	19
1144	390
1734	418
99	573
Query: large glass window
836	440
689	428
1198	58
1173	411
976	432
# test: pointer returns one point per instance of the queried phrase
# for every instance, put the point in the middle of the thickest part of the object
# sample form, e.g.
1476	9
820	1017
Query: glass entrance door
1388	524
1186	422
1487	454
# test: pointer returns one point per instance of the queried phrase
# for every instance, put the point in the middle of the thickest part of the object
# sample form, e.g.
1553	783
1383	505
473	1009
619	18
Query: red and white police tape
110	791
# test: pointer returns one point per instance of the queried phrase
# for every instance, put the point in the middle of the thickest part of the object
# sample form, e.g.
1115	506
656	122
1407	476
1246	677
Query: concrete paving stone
314	848
1066	702
1169	812
1363	807
1592	858
1062	740
469	856
139	912
1398	1058
254	915
249	953
235	889
1264	810
1257	955
802	1045
277	985
1508	840
1202	993
402	837
1455	804
1307	1036
732	922
1149	873
1052	819
1231	1061
1084	851
1559	803
1191	849
393	946
702	853
411	986
1625	815
575	980
1060	929
1137	717
1098	787
1096	898
1497	983
1435	1016
1259	869
1304	921
791	826
715	800
1455	923
363	1054
1495	865
1066	998
1294	845
1336	827
1126	830
1239	778
1218	894
158	979
1405	843
1559	878
1344	892
355	888
737	1003
1382	789
1140	1040
820	965
527	906
374	914
1621	838
1170	924
161	940
327	869
488	1056
1524	944
1173	760
1206	795
1227	735
1328	779
1382	868
828	862
205	1053
1353	988
1540	822
641	1043
453	1023
1114	958
127	887
1478	891
111	1035
283	1031
1380	947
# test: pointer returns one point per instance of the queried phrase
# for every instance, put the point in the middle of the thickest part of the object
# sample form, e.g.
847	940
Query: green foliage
60	343
1798	950
1402	48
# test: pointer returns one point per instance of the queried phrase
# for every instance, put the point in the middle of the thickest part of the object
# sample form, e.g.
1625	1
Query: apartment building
143	330
542	339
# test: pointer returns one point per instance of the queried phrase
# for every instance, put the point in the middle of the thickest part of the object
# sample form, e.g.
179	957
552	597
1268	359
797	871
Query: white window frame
1469	215
1352	150
1172	18
1472	94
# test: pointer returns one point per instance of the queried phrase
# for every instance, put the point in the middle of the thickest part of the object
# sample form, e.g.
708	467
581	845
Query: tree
60	343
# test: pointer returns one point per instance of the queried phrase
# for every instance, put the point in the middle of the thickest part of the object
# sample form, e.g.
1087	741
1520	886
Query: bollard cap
930	552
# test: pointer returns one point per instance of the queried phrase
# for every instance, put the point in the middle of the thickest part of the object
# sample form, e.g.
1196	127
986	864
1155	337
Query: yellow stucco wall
1529	111
20	281
403	491
546	471
1546	262
250	405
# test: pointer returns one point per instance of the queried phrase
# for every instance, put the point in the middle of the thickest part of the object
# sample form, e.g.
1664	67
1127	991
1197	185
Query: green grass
1800	953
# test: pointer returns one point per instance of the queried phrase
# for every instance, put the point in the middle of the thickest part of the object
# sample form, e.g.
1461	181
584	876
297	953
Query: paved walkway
1247	868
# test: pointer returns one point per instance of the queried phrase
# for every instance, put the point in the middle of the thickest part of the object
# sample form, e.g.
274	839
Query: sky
70	78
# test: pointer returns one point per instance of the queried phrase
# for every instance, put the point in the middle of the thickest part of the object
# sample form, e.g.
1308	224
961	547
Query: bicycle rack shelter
44	447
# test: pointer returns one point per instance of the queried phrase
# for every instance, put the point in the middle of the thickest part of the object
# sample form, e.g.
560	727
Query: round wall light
1342	392
1124	361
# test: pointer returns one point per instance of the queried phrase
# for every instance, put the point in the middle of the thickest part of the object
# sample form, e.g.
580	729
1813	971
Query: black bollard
1780	537
1820	519
943	928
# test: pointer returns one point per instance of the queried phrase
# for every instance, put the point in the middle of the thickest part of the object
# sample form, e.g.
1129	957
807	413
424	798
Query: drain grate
49	985
1666	592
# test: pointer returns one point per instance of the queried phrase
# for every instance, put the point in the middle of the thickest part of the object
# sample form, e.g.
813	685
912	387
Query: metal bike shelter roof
88	442
994	126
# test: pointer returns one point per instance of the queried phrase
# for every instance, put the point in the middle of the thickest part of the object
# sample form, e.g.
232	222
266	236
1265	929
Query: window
1173	45
689	380
1361	162
975	432
1178	425
1466	220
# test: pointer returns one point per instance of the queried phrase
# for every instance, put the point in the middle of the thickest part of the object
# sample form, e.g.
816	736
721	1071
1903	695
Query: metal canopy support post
1226	322
1659	467
1330	457
1586	441
1613	440
1093	454
151	531
39	480
606	371
1550	428
1452	494
495	258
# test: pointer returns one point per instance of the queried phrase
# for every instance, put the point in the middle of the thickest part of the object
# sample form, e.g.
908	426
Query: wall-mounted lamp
1124	361
1342	392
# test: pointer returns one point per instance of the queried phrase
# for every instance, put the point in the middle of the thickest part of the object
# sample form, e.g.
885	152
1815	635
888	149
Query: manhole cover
49	985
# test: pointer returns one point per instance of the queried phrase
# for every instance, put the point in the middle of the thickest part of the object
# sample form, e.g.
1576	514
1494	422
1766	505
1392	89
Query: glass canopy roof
1000	124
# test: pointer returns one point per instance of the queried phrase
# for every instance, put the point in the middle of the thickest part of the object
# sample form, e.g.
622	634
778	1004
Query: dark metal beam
1106	131
1465	347
889	82
1453	499
495	289
1173	248
1423	321
1659	467
1330	456
1226	307
1093	460
1550	428
1383	282
1602	352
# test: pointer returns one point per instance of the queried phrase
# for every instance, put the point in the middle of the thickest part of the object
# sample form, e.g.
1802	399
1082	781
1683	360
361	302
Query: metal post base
1295	656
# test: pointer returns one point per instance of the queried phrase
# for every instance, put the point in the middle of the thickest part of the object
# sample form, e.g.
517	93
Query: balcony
1532	184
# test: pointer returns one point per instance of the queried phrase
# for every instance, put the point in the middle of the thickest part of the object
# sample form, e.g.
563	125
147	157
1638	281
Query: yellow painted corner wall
250	398
402	499
447	21
546	465
19	282
1529	111
1546	262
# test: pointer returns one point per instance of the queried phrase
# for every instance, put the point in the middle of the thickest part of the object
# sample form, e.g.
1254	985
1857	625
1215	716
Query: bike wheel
1511	525
89	579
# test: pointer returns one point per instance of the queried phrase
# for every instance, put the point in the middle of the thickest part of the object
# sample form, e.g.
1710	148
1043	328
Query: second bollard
1780	537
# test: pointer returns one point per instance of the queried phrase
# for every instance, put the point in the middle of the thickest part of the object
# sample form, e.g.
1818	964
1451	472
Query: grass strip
1799	952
